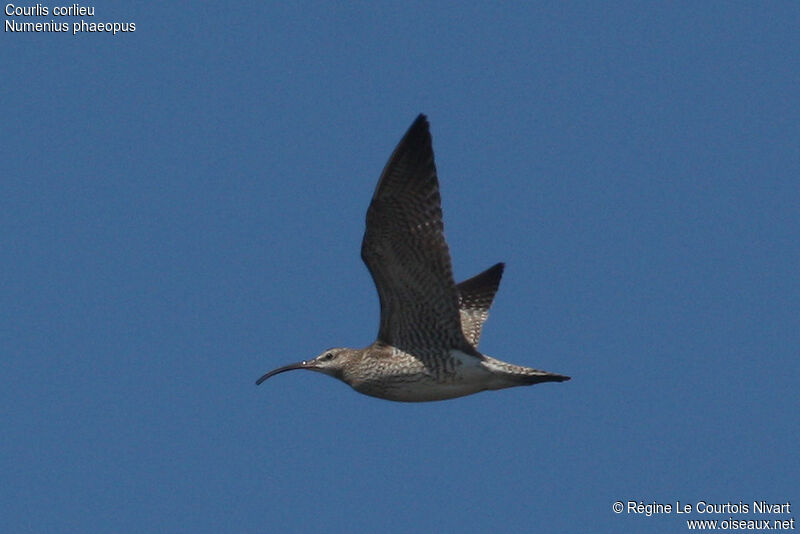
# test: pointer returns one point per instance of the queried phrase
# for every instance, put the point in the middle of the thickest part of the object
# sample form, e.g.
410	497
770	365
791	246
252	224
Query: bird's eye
328	356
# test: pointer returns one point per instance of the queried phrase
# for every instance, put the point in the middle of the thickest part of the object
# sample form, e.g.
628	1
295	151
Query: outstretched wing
475	296
406	253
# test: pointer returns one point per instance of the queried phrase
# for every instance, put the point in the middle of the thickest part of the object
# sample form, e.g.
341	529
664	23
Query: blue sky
181	210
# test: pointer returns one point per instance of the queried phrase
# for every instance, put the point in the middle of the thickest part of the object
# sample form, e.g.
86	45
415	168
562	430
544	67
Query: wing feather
406	253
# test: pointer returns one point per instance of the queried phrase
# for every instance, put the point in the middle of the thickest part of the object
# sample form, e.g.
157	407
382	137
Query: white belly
468	376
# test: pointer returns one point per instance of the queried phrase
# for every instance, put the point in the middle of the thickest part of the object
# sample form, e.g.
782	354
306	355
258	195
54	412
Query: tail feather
530	379
522	375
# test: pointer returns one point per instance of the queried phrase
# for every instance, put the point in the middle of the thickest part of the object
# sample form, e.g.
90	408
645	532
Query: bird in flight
427	345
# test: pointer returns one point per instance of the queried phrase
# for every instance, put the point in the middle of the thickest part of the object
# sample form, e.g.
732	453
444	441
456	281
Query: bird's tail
522	375
542	376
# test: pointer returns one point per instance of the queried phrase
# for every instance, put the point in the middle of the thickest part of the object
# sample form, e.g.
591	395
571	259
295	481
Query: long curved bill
305	364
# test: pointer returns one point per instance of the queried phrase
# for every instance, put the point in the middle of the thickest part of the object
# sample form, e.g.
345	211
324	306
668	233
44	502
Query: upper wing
405	251
475	296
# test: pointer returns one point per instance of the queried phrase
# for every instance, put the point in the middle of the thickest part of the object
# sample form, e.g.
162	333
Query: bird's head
332	362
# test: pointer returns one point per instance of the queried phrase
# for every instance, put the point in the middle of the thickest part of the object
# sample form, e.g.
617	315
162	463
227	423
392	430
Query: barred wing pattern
475	296
406	253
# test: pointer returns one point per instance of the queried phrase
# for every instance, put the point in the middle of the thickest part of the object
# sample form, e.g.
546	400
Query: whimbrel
427	346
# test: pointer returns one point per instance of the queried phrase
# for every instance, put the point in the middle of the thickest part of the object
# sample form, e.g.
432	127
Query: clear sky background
181	210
